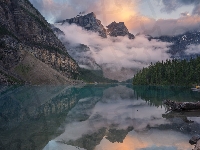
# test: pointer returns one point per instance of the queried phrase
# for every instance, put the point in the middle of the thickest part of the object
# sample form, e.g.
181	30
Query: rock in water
194	139
89	22
119	29
197	147
182	106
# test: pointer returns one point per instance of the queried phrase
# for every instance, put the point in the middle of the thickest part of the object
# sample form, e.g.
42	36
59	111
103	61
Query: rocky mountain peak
118	29
89	22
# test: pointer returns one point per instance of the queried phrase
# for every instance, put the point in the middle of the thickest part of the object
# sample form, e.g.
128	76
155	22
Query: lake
95	117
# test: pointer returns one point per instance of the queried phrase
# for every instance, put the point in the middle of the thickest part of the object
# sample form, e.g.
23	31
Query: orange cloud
114	10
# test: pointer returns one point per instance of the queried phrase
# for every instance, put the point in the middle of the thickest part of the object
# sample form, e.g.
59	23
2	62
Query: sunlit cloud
123	11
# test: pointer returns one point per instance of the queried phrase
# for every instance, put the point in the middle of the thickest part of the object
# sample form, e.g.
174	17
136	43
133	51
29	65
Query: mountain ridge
90	22
24	30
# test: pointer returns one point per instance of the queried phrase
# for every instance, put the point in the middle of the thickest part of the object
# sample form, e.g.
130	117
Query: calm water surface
101	117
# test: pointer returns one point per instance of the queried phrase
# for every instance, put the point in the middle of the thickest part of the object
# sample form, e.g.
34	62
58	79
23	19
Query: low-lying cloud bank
118	52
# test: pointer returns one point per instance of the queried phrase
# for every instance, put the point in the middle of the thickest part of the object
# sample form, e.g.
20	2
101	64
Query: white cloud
193	49
120	52
163	27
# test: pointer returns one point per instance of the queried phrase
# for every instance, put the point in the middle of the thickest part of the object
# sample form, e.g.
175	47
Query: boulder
194	139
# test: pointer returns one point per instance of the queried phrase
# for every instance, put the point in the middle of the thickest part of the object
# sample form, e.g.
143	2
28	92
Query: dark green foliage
154	95
171	72
92	76
11	79
2	45
36	19
24	69
4	31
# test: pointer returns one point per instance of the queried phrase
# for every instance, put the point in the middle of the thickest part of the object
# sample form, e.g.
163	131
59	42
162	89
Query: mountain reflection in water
111	117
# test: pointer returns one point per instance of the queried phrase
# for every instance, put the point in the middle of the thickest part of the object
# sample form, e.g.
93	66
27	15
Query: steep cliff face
119	29
89	22
24	30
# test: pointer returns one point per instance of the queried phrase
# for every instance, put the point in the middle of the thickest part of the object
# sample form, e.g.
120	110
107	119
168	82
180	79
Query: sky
154	17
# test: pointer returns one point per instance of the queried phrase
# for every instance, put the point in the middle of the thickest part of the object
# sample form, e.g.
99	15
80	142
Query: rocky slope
24	32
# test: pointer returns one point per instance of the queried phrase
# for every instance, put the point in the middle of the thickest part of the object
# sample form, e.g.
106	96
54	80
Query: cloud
193	49
54	10
184	14
160	148
163	27
107	11
119	52
196	10
172	5
123	11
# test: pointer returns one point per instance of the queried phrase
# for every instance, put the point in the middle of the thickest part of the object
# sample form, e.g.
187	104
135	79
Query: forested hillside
171	72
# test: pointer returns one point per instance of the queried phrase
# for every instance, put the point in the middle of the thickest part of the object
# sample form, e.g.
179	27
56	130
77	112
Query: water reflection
128	119
97	117
156	94
31	116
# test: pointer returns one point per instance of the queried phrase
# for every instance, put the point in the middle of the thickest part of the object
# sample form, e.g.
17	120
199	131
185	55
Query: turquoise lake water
95	117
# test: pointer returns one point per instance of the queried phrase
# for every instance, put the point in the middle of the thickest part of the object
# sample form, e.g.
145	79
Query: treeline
171	72
92	76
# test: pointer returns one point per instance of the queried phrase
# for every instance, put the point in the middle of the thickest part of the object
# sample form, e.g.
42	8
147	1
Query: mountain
119	29
181	42
82	53
29	50
88	22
